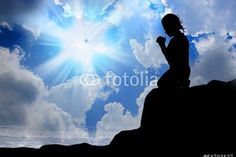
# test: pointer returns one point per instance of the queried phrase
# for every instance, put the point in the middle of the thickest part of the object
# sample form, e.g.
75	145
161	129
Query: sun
79	50
82	42
83	49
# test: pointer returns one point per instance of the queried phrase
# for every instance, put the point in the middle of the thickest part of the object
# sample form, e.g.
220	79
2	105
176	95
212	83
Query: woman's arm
161	41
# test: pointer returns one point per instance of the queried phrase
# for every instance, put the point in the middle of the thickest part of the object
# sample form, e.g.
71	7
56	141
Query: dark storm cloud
19	89
14	34
12	9
17	93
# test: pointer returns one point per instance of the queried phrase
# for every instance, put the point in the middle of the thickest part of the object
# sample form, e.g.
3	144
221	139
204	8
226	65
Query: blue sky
51	50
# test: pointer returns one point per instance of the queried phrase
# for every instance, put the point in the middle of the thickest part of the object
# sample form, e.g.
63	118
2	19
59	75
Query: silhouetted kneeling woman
176	54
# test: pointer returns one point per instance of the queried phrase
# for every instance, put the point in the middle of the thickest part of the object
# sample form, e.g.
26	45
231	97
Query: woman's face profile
171	24
168	29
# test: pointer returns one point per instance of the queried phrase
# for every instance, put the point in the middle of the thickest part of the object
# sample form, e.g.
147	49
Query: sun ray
81	44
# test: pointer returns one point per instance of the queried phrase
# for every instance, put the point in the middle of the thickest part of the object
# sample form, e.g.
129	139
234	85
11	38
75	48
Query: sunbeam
83	44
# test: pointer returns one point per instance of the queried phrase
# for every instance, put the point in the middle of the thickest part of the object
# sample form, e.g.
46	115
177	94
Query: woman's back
176	54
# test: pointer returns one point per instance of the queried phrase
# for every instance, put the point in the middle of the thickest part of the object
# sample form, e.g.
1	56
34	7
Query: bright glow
82	42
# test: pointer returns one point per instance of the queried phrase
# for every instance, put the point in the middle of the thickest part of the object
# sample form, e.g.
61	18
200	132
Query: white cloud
135	9
140	100
215	60
19	88
148	55
231	42
108	81
5	25
80	8
23	104
205	15
117	118
121	12
74	98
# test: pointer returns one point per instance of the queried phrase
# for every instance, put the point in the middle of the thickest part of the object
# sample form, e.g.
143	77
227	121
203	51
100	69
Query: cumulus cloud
22	100
117	118
149	54
215	60
205	15
18	87
21	91
74	98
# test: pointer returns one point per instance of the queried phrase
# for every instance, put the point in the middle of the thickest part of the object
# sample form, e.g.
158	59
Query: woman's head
172	24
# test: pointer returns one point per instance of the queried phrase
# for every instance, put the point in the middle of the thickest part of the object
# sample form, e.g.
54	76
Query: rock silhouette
186	122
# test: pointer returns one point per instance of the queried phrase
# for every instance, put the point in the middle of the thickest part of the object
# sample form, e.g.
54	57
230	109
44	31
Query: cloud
5	25
13	35
117	118
19	88
215	60
102	9
201	15
80	8
23	103
148	55
12	10
140	100
74	98
126	10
